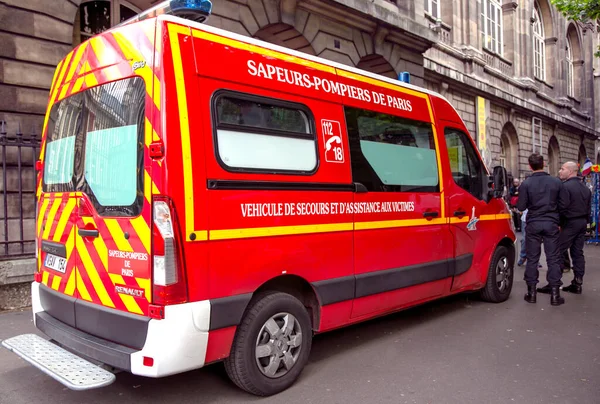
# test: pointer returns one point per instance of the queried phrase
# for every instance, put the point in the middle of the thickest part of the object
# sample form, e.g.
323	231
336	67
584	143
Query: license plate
55	263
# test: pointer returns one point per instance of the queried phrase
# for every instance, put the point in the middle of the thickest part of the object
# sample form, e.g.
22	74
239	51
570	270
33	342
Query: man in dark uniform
574	220
543	196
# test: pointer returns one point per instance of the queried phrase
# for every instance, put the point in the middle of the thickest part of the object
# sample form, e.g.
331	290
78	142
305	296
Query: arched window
96	16
574	70
539	45
570	76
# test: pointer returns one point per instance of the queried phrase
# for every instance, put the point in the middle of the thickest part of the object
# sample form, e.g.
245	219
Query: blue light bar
404	77
195	10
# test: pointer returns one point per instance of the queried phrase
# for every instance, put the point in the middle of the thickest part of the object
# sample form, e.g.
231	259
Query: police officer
543	196
574	220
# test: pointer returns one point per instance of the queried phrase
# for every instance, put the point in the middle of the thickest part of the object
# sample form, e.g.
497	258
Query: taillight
168	275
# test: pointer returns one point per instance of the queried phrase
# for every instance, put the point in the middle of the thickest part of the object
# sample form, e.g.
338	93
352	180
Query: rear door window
95	145
63	125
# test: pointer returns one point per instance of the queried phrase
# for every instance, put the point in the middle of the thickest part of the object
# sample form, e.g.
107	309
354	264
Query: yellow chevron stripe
63	91
45	276
106	57
188	182
41	214
56	282
55	76
112	73
64	219
78	84
70	288
51	215
146	72
83	292
148	133
99	245
90	80
129	301
149	187
117	234
76	59
143	231
92	273
70	244
145	284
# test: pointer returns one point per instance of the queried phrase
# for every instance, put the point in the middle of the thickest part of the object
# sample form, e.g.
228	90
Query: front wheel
500	277
271	345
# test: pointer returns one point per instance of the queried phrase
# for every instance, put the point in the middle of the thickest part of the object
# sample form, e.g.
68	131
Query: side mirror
497	182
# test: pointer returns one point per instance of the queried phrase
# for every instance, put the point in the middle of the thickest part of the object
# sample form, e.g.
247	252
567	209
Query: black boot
555	299
575	286
530	296
545	289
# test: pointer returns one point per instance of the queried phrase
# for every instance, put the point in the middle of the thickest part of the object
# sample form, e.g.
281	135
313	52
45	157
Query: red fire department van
205	197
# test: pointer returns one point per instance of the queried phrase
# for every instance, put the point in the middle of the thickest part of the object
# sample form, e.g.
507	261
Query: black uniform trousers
546	231
573	235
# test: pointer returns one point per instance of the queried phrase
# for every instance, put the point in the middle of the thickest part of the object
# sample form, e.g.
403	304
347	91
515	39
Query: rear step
63	366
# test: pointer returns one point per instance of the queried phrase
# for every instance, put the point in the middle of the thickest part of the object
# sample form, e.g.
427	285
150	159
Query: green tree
584	11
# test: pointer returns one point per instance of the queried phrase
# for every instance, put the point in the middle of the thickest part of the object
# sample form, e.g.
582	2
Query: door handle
460	213
430	214
88	233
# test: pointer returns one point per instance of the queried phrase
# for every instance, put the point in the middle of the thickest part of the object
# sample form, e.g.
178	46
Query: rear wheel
271	345
500	277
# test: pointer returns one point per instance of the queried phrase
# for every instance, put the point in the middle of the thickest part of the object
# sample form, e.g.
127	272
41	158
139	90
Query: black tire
241	365
493	292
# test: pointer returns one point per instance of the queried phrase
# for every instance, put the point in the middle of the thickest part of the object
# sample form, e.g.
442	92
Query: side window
391	154
264	135
467	169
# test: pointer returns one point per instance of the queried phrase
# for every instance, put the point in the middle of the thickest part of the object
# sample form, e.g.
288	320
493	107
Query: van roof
291	52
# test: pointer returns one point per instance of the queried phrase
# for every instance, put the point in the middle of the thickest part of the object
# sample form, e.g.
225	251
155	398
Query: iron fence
19	155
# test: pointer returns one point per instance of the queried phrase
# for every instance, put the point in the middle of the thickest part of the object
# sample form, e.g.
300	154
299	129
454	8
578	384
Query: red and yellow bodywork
227	253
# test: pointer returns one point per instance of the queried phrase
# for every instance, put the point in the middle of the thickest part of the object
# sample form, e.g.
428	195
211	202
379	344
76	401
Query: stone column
510	26
552	61
473	11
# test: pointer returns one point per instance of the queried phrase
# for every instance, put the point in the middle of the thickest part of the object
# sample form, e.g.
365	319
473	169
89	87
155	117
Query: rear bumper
177	343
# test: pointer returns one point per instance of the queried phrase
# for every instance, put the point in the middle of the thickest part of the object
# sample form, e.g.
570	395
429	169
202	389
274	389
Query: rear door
95	208
57	213
113	236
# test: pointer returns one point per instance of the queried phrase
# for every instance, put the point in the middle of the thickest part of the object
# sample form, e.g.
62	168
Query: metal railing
17	193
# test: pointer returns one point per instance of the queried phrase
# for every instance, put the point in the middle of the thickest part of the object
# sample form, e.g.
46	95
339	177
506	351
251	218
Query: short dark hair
536	161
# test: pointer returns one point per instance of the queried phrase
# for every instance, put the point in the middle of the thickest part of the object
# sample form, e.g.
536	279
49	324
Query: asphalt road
458	350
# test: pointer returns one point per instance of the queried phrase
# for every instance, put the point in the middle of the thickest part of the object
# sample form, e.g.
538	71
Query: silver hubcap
503	274
278	345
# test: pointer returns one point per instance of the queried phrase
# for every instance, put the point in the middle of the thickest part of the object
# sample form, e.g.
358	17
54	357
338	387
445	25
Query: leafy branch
585	12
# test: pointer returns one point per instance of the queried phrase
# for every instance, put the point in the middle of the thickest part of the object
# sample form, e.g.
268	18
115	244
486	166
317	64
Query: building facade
523	77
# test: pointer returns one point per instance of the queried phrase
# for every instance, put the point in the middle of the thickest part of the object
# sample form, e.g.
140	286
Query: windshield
95	145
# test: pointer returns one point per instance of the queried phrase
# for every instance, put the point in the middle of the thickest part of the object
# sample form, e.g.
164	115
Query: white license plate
55	263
